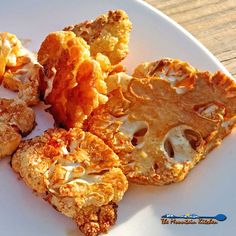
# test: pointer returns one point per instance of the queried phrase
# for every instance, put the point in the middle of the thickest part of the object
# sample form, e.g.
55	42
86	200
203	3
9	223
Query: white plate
209	188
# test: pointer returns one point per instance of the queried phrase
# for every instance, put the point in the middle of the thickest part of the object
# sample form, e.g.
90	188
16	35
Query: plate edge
188	35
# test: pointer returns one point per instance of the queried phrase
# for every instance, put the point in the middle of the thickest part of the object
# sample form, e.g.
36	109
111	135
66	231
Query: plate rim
187	34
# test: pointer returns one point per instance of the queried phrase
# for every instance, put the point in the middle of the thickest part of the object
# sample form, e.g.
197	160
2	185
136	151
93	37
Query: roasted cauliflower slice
118	80
72	83
160	133
19	69
16	119
165	68
108	34
181	76
77	173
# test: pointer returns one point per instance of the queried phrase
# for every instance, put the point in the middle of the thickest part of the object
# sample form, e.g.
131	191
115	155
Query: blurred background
213	22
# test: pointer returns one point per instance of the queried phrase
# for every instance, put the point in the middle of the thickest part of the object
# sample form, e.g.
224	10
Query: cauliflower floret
108	34
94	220
75	172
160	133
72	82
15	119
9	140
15	112
19	70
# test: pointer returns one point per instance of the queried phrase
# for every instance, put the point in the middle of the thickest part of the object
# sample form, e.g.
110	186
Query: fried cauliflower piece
19	70
16	119
108	34
76	173
161	130
72	82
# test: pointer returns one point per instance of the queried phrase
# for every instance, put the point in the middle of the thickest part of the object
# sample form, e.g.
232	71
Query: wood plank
212	22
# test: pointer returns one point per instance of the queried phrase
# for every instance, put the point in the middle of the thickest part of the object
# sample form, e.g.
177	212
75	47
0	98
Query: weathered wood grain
212	22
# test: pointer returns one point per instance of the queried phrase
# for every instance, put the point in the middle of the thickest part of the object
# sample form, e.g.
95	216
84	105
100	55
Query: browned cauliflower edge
76	173
19	69
16	119
107	34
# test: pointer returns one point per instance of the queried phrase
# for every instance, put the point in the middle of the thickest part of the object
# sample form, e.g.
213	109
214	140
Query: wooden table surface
212	22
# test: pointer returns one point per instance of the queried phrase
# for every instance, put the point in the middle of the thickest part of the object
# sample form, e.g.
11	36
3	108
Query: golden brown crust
72	82
108	34
19	70
15	119
159	129
76	173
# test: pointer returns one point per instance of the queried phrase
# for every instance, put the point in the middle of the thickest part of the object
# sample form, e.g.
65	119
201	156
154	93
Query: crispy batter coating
159	129
15	119
72	82
108	34
19	70
76	173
